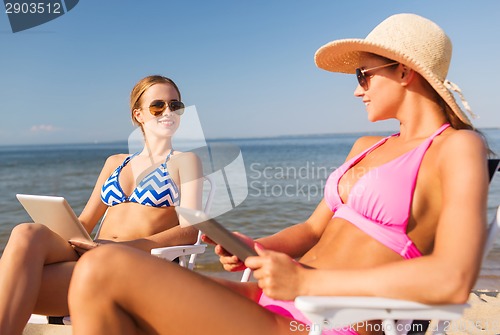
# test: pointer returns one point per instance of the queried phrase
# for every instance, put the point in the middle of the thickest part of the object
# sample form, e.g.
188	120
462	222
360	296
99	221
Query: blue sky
246	65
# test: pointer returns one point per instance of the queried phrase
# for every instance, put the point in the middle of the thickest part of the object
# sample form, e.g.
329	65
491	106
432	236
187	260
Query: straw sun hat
405	38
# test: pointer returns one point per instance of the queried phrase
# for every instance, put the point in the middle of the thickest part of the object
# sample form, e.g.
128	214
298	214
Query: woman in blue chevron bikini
137	192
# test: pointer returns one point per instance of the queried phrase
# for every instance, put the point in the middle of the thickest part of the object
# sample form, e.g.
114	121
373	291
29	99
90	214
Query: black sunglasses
361	74
157	107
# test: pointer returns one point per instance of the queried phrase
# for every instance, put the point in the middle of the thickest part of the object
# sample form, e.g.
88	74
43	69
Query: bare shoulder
362	144
462	150
188	164
183	158
114	160
462	143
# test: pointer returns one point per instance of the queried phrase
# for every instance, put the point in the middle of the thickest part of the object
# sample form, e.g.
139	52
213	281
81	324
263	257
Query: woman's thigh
53	295
47	259
164	298
32	242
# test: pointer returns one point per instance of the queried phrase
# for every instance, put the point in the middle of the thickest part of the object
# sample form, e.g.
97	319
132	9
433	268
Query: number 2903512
32	8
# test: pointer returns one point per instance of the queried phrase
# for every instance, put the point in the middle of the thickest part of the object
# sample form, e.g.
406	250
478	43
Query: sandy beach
33	329
482	318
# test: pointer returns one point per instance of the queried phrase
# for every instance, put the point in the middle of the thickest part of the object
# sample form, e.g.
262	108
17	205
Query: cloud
43	128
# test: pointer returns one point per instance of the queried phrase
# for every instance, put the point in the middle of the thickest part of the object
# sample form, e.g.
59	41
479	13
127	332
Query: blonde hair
141	87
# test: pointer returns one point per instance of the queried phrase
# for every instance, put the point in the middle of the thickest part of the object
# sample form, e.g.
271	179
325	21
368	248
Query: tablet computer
216	232
55	213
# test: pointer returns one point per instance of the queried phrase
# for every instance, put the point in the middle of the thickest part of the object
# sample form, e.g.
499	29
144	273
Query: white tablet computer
55	213
216	232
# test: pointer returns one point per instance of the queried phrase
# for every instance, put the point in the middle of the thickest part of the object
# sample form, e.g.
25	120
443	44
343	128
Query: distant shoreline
215	139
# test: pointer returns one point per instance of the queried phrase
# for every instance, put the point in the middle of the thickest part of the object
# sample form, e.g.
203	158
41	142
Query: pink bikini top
379	203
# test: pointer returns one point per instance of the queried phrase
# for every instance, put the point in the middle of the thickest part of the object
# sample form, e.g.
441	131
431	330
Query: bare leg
53	293
118	290
23	274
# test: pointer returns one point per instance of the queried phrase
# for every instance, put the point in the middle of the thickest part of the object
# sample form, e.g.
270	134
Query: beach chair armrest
171	253
339	312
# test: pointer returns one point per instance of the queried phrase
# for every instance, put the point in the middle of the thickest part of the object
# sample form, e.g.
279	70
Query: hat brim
344	56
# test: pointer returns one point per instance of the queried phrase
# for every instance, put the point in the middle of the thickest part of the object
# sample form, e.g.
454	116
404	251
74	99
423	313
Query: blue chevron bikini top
157	189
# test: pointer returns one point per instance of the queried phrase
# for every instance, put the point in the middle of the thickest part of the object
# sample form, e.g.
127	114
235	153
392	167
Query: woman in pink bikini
397	208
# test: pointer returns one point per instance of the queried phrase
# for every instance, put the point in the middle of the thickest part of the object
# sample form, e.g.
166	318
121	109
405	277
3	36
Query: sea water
285	179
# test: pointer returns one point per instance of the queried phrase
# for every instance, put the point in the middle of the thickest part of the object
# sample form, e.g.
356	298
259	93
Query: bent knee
29	229
102	267
99	265
24	234
91	272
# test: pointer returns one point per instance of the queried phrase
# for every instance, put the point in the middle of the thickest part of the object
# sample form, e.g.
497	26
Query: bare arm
449	272
296	240
191	176
170	237
95	208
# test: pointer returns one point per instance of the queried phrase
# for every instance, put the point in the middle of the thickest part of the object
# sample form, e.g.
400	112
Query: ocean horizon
225	139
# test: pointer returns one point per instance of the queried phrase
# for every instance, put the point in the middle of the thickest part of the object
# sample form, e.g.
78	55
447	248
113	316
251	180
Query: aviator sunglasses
362	77
157	107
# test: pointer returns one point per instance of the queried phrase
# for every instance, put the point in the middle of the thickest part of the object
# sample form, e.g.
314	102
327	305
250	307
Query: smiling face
165	124
382	97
